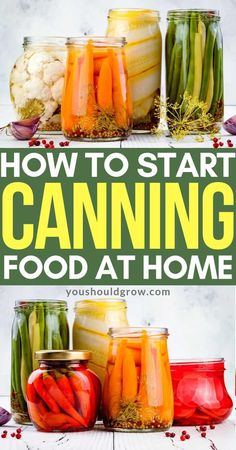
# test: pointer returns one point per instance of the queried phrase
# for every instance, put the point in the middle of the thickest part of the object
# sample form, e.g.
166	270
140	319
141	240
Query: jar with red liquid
63	394
200	395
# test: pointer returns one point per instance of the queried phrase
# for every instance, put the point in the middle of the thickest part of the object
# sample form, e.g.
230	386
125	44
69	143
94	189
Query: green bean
16	356
64	330
208	58
25	343
217	74
193	30
41	321
171	70
185	61
48	329
176	73
170	40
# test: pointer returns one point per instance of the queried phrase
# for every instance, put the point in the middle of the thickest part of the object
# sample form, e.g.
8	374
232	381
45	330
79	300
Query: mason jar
96	101
200	394
92	320
143	52
37	79
37	325
194	70
63	394
137	392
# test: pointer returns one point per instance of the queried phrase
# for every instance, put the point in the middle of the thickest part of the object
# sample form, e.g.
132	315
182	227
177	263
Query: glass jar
194	70
37	79
143	55
137	393
96	102
37	325
200	395
93	318
63	394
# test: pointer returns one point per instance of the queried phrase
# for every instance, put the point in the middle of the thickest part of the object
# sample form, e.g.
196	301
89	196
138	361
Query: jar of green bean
37	325
194	70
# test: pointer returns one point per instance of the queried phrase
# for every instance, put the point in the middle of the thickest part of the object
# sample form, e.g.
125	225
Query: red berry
5	431
215	139
230	144
184	432
18	436
212	427
221	144
216	145
229	140
187	436
37	143
182	437
47	146
61	144
203	428
3	435
18	430
167	434
13	434
172	435
51	142
203	434
44	141
67	143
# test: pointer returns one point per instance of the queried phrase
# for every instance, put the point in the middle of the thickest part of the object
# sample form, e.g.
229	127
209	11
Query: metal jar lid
63	355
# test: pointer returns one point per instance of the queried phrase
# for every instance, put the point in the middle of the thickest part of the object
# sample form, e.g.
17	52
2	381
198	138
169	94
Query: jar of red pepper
200	395
63	394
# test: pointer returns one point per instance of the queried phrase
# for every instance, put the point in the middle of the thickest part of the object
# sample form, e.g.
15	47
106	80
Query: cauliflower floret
18	93
50	108
57	90
18	76
37	62
36	88
53	71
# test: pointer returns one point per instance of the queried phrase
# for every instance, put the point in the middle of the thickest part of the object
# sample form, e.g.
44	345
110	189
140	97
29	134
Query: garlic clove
230	125
24	129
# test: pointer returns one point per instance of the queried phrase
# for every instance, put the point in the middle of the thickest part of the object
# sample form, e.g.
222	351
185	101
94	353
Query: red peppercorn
203	428
221	144
172	435
18	430
216	145
3	435
184	432
167	434
182	437
215	139
203	434
18	436
230	144
66	143
51	142
212	427
37	143
44	141
47	146
61	144
13	434
187	436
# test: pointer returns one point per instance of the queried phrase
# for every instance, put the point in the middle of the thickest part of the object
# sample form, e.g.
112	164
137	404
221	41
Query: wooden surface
135	140
222	438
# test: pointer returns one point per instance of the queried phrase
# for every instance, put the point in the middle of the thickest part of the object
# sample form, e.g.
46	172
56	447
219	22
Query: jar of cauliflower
37	80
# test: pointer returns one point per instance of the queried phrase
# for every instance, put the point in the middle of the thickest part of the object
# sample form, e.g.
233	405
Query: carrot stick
98	63
105	396
44	394
104	89
153	382
64	385
87	102
115	384
130	384
142	394
60	399
119	91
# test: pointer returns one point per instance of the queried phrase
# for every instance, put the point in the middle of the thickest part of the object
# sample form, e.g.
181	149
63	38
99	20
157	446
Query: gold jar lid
63	355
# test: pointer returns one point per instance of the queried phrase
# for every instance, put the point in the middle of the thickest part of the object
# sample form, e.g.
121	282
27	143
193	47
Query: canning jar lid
134	13
97	41
137	331
198	364
101	303
63	355
186	13
47	41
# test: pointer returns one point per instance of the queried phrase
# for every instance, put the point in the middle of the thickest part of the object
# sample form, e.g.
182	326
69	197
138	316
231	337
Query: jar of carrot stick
137	393
63	394
96	104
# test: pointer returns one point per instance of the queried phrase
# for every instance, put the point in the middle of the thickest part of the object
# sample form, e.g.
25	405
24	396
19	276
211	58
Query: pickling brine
96	103
137	392
194	70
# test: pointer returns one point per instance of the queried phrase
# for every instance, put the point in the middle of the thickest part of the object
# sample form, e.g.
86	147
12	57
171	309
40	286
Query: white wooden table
134	141
222	438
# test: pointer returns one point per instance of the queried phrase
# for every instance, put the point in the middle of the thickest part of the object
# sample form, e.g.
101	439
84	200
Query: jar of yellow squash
93	318
137	392
141	29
